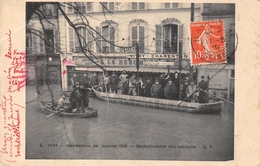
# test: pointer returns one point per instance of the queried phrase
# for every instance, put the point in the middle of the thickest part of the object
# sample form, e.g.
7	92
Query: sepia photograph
130	81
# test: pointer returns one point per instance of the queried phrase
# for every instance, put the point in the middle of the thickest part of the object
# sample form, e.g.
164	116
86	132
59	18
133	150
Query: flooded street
129	133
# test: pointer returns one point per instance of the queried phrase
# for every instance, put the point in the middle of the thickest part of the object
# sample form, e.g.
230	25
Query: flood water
129	132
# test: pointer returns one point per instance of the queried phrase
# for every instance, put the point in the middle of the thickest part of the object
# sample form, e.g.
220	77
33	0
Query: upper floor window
76	7
108	6
34	42
138	37
82	39
49	10
170	5
138	34
105	39
80	7
170	38
138	5
168	35
89	6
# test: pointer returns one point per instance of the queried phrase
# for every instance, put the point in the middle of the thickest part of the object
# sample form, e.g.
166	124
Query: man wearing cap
170	90
203	87
156	89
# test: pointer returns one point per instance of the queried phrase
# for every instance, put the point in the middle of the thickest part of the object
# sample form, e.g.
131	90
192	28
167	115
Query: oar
54	113
220	98
203	84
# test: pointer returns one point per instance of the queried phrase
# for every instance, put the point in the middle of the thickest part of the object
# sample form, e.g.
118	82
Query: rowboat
208	108
47	108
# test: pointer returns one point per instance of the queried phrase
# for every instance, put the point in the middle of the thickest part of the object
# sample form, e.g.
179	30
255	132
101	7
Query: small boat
47	107
208	108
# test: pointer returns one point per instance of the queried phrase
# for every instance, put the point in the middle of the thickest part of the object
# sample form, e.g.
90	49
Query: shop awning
131	69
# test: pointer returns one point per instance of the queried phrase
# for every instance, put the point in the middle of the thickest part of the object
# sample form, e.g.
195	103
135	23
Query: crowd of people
164	87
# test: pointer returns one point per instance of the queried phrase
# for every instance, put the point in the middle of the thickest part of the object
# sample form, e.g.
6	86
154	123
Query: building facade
160	29
108	32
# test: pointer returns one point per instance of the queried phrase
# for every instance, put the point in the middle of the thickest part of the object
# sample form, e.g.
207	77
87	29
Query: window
111	6
81	37
89	6
84	38
49	43
170	42
70	8
76	7
106	43
136	6
49	10
34	42
80	7
29	42
170	5
108	6
138	37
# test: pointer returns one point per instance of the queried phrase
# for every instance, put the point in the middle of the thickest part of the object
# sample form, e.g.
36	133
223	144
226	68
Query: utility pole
191	19
137	67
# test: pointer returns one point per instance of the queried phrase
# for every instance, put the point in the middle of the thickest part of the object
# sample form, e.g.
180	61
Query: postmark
207	42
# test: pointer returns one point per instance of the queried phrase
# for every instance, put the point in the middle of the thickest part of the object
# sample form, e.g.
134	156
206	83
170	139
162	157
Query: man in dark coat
94	80
76	99
170	90
113	83
85	80
162	80
203	87
176	82
156	89
147	87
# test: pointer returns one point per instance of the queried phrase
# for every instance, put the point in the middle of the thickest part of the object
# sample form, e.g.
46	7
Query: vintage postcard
129	83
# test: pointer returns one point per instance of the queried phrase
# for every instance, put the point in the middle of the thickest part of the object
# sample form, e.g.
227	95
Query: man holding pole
203	87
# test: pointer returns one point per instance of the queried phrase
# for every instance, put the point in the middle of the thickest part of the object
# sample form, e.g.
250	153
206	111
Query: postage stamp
207	42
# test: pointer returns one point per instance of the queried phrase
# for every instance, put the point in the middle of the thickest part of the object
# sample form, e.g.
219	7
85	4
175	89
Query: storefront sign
160	63
158	56
120	62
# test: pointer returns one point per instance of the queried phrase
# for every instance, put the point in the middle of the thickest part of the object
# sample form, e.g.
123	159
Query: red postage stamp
207	42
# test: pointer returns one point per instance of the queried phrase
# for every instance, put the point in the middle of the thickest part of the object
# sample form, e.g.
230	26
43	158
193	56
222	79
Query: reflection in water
148	134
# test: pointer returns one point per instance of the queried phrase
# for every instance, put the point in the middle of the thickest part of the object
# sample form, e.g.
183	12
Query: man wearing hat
132	85
122	80
203	87
176	82
105	85
156	89
170	90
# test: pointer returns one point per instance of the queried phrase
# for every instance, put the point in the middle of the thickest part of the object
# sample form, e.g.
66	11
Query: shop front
150	65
